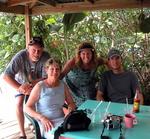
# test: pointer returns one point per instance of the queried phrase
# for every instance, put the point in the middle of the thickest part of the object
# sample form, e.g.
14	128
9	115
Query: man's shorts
18	95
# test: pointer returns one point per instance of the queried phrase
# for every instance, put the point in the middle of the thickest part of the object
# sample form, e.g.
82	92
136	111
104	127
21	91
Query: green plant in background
69	21
12	37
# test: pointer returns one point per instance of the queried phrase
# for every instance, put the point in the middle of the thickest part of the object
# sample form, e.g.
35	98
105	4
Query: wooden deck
9	130
8	124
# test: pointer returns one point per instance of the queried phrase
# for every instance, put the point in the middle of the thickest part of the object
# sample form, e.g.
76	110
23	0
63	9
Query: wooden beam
19	2
32	5
27	25
14	10
48	2
47	7
87	6
92	1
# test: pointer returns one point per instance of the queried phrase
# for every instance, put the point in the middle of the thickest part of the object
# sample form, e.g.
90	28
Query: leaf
51	21
54	28
70	19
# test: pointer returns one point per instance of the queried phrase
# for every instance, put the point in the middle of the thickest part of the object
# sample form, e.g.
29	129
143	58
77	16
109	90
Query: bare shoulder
36	90
67	67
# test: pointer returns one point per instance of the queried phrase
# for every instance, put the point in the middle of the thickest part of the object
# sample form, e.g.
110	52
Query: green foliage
70	19
12	37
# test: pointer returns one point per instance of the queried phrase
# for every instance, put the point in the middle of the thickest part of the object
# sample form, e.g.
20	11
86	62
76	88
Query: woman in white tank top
48	97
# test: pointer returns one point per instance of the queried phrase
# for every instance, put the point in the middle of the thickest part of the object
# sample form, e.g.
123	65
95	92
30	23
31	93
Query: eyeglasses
36	40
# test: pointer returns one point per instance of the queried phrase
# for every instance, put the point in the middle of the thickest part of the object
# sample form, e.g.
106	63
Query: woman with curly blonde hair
79	73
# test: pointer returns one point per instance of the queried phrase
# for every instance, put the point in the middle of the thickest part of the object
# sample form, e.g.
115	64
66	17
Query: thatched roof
53	6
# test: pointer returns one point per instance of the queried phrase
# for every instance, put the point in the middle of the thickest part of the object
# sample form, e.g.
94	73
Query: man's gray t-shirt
118	87
23	70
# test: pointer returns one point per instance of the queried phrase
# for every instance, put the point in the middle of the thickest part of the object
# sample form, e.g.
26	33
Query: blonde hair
81	47
52	61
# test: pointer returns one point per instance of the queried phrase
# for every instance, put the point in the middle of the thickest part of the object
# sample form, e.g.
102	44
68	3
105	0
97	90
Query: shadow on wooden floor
9	130
8	124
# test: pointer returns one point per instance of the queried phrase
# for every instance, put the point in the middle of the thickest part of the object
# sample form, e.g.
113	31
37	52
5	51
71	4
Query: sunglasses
36	40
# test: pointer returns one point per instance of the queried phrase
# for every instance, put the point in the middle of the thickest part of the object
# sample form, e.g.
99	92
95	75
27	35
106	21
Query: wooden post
27	25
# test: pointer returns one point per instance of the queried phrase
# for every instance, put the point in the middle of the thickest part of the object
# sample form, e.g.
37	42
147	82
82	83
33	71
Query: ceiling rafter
31	5
19	2
15	9
48	2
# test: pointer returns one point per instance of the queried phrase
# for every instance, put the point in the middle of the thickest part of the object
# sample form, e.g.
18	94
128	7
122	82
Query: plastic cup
128	120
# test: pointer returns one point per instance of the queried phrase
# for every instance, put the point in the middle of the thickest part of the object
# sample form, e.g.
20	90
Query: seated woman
48	97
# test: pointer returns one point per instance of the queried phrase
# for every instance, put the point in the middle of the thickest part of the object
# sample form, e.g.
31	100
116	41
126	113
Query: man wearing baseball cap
24	70
118	84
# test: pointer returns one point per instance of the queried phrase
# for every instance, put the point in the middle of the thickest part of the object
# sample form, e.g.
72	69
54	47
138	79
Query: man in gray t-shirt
117	84
24	70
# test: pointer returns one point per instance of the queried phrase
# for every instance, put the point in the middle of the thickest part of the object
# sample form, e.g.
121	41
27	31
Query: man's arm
10	80
101	88
22	88
12	69
99	96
